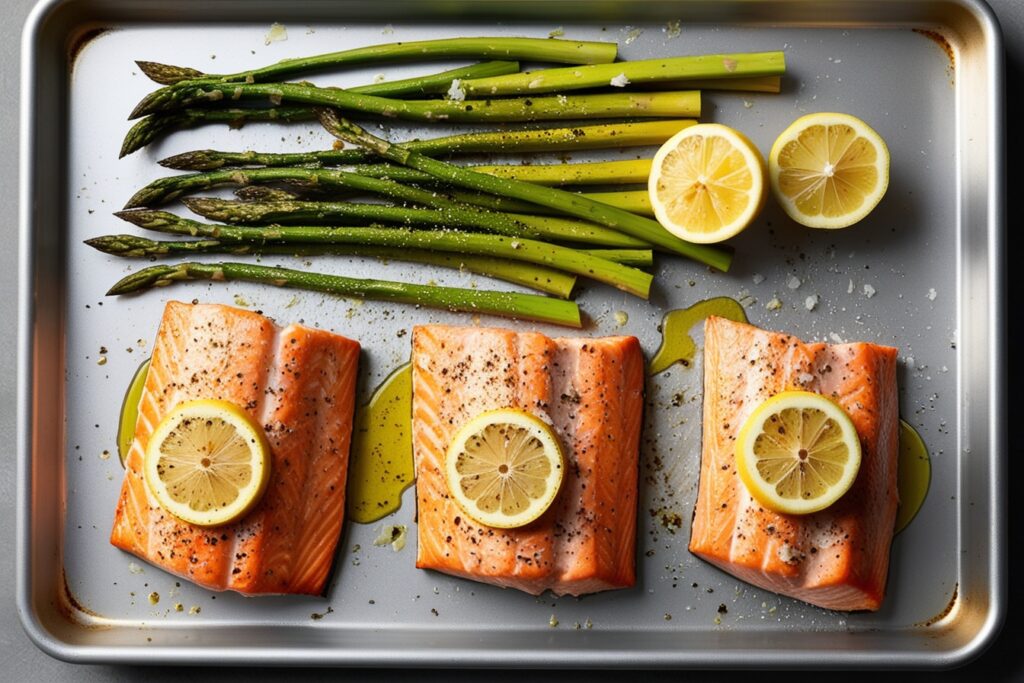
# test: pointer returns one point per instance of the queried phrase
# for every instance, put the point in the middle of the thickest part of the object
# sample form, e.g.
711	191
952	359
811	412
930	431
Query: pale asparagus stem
540	278
505	304
681	104
623	172
621	74
166	189
629	279
566	202
529	49
574	138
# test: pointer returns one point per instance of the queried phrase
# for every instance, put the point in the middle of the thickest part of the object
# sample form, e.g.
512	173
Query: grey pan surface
19	659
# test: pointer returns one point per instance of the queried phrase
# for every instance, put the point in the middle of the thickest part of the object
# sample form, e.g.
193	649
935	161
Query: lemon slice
798	452
707	183
207	462
829	170
504	468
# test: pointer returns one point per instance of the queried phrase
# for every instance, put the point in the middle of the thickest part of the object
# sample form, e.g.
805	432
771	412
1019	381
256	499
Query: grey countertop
20	660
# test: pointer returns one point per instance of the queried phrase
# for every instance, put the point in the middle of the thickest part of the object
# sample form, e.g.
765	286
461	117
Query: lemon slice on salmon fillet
707	183
829	170
798	452
207	462
504	468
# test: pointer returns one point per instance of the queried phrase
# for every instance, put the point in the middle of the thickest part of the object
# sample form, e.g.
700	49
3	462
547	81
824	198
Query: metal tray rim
51	644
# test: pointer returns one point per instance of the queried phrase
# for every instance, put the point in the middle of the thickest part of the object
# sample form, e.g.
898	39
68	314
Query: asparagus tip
196	160
147	278
167	74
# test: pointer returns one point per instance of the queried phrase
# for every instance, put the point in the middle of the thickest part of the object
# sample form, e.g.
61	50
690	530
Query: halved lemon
207	462
798	452
707	183
504	468
829	170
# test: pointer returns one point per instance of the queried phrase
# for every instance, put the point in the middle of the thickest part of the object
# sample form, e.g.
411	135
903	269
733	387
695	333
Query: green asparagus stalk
152	127
633	105
166	189
527	49
634	201
433	84
638	258
347	213
621	74
626	278
601	136
156	125
540	278
643	228
506	304
623	172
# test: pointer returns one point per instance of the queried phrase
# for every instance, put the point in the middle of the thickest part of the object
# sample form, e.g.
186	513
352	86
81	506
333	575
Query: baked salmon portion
591	392
837	558
299	383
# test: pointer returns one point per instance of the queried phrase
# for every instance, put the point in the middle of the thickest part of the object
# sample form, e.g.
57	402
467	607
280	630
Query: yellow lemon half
829	170
707	183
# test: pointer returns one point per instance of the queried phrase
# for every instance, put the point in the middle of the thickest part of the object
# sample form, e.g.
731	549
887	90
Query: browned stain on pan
74	611
945	612
942	42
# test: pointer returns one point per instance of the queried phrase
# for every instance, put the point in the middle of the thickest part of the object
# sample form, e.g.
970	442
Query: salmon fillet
837	558
299	383
591	392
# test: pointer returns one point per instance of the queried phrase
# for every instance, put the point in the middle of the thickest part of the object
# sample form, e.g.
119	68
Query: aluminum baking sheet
923	273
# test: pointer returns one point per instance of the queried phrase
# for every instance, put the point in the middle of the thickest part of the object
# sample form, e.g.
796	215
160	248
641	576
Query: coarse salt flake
931	294
619	81
793	282
835	337
849	287
869	291
276	34
774	305
811	302
455	92
758	278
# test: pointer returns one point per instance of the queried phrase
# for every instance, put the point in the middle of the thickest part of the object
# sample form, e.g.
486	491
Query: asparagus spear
152	127
626	278
574	205
507	304
344	213
530	49
623	73
601	136
624	172
634	201
166	189
638	258
433	84
647	105
540	278
155	125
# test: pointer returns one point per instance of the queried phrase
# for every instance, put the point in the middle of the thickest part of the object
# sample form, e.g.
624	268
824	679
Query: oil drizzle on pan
914	477
130	411
677	346
381	465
